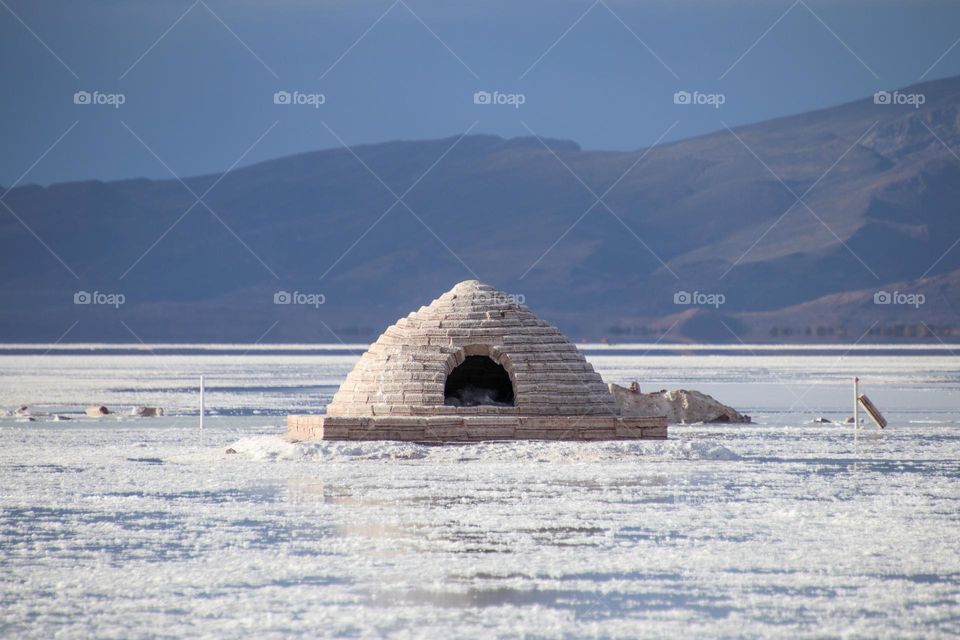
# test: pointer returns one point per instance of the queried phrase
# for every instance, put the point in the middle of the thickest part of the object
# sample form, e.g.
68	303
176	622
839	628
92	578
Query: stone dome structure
475	364
405	372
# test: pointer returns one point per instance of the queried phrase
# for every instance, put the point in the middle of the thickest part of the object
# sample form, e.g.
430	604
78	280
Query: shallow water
132	527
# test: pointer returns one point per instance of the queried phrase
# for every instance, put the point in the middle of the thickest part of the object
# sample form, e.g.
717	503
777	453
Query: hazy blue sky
203	94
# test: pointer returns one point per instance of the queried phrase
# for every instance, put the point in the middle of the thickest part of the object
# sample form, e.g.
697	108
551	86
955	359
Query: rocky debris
230	451
680	406
96	412
24	411
146	412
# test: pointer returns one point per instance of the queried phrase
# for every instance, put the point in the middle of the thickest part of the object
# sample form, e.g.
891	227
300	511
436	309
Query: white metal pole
201	408
856	402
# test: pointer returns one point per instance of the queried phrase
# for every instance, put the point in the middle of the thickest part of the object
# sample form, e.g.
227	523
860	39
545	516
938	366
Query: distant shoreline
625	349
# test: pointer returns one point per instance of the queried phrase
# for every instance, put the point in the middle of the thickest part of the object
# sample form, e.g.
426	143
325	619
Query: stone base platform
475	428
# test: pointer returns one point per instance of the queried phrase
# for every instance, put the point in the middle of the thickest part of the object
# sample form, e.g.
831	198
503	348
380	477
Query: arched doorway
478	380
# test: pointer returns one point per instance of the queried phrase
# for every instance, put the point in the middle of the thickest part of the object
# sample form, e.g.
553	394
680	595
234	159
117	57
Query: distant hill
882	184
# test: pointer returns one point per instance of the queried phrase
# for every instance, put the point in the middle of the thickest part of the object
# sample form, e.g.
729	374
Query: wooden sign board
872	410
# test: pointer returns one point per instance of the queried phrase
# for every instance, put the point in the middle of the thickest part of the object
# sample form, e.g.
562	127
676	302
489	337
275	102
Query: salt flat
127	527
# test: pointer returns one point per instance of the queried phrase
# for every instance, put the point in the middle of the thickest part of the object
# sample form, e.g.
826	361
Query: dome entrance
478	380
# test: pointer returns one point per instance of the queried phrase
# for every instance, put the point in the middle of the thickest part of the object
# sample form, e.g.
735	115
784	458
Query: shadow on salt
830	467
274	448
583	604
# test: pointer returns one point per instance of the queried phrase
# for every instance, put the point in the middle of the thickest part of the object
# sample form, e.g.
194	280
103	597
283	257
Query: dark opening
477	381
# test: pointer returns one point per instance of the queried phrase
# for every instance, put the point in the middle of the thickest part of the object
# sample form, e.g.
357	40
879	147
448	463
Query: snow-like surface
131	527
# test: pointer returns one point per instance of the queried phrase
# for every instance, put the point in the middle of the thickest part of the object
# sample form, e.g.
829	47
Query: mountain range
836	225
